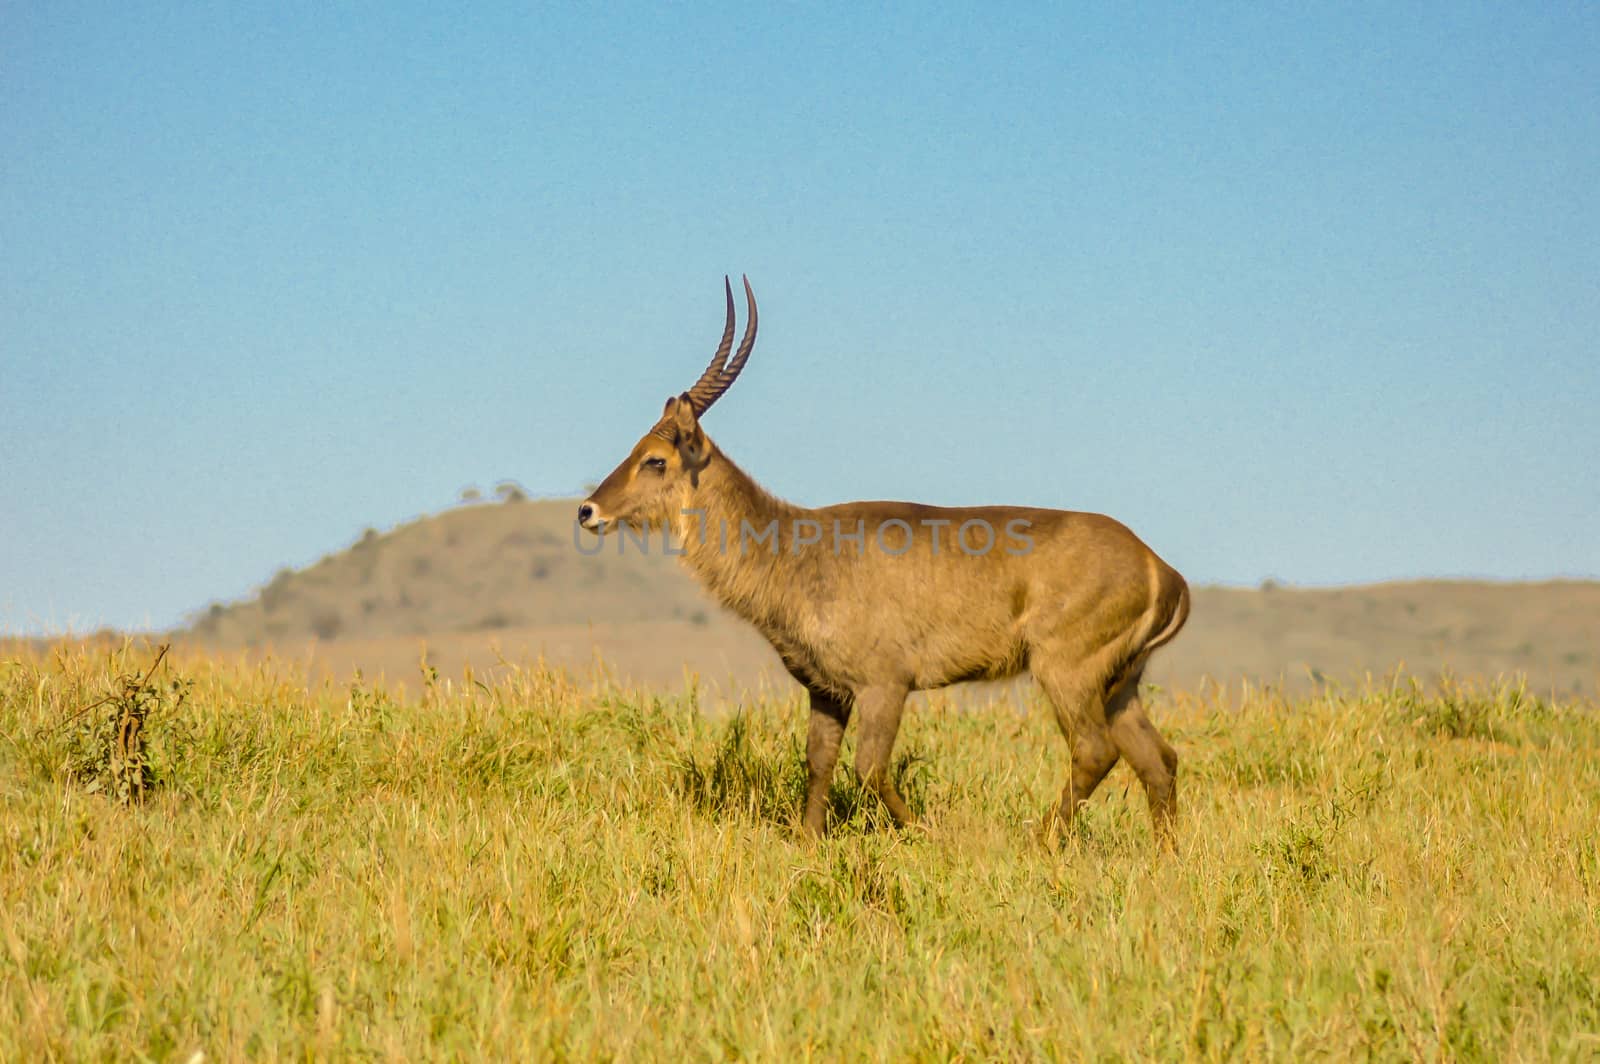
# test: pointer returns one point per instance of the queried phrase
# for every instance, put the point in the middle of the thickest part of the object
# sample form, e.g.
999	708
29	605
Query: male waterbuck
867	601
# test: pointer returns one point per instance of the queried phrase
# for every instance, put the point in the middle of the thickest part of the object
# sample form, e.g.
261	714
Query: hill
508	579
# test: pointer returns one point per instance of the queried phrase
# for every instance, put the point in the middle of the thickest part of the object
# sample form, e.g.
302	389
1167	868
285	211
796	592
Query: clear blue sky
1314	296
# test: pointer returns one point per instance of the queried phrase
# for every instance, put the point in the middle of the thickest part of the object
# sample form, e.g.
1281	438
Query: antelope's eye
656	464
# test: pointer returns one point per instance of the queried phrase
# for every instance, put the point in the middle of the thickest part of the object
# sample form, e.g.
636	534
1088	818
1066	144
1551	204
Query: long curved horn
722	372
704	391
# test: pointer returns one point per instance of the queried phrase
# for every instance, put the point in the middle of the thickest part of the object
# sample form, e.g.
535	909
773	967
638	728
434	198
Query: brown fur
1081	610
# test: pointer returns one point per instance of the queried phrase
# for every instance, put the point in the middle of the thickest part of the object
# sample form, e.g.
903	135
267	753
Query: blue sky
1305	295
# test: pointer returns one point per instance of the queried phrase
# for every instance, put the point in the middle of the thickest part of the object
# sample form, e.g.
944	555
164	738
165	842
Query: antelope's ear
682	412
693	447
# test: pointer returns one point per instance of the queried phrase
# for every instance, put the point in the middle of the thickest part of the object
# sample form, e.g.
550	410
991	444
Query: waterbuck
868	601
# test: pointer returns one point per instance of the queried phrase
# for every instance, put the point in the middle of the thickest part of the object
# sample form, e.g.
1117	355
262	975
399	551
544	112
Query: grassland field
204	855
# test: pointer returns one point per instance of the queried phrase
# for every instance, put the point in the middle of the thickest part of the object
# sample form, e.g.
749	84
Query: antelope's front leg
880	723
829	715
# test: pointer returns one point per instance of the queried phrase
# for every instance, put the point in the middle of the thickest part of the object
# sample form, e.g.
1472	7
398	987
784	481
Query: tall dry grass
536	869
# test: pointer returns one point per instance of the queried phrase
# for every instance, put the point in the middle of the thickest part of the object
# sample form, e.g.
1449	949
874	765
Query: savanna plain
205	854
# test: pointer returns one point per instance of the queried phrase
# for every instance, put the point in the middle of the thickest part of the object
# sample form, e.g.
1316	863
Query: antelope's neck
736	540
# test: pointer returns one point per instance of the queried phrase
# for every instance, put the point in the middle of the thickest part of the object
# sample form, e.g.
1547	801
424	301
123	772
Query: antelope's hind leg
1151	756
1080	713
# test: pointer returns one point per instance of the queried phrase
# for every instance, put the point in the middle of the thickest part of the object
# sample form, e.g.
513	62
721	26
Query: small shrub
327	624
108	750
510	491
1300	852
210	622
278	592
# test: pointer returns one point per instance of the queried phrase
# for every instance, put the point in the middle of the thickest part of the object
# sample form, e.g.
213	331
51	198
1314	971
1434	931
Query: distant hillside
478	568
508	578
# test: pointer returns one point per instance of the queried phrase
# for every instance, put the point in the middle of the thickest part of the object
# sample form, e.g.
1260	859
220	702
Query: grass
532	869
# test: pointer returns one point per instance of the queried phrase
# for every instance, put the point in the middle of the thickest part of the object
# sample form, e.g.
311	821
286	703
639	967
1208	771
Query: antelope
884	608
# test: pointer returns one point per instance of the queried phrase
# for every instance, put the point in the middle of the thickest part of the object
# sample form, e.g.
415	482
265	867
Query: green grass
534	870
